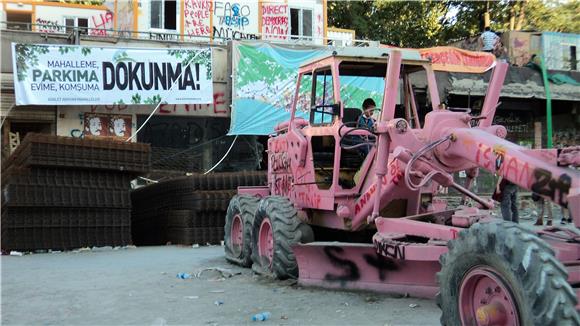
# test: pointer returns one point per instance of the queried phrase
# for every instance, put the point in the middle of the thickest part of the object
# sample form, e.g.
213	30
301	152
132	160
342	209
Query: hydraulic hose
416	156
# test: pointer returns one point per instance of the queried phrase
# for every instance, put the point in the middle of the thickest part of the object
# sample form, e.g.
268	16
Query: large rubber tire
524	262
287	230
244	207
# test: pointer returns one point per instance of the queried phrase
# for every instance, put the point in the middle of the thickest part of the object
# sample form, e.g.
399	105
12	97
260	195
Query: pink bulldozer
352	207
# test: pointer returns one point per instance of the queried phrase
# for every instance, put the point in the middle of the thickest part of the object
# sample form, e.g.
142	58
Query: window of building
164	14
18	20
81	23
300	23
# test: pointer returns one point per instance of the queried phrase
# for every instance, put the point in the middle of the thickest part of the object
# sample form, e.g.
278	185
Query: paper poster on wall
77	75
107	125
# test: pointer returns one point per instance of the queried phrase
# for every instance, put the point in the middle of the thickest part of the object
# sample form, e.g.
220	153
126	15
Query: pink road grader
350	207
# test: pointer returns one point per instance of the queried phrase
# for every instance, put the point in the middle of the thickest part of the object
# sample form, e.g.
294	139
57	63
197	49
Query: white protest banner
82	75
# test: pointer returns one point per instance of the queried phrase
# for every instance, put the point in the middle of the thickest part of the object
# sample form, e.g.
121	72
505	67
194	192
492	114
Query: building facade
181	20
175	128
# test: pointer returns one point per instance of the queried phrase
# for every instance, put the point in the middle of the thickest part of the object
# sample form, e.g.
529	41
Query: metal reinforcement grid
62	193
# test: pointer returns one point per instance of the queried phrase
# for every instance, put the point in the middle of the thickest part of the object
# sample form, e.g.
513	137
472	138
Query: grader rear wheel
276	228
499	273
238	229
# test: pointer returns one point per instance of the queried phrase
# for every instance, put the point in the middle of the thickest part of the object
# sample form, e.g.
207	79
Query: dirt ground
139	286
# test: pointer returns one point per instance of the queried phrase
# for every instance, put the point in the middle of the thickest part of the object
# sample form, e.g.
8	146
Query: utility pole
548	101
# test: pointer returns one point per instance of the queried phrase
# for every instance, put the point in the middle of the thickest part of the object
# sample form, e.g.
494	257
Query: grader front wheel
276	228
499	273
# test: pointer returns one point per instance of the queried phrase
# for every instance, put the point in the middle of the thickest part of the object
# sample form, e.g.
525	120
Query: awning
520	82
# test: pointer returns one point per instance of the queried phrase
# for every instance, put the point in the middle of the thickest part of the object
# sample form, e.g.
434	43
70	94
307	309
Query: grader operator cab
336	216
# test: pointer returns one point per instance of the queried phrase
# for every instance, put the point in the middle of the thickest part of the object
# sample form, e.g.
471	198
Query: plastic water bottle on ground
263	316
183	276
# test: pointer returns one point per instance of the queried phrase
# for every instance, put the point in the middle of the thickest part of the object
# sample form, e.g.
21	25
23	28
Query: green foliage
194	56
257	66
353	96
27	57
122	56
66	49
399	23
85	51
553	16
153	100
427	23
136	99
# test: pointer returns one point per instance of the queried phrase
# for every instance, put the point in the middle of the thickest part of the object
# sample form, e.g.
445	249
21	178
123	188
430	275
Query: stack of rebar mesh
62	193
187	210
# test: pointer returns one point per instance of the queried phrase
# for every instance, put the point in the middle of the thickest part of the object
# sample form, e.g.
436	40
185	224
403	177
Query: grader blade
357	266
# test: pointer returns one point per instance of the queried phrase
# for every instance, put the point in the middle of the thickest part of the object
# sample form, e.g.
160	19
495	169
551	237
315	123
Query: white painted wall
341	38
18	6
52	15
318	22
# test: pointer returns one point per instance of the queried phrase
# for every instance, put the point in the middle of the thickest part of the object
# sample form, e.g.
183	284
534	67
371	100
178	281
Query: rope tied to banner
158	104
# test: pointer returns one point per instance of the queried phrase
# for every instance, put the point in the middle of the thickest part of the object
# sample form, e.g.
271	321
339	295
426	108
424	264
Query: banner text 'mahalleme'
151	75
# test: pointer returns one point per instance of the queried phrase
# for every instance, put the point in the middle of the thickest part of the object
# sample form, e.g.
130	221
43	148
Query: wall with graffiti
195	20
235	20
269	20
275	21
51	19
72	120
517	47
95	122
521	46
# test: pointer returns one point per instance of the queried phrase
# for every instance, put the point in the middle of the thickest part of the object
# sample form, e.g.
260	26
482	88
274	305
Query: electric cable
160	101
223	158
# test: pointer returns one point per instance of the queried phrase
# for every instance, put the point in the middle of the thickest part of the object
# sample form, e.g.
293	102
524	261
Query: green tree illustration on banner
27	57
265	84
201	57
260	76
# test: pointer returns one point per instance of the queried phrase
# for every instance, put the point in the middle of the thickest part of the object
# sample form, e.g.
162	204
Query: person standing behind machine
507	194
488	40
